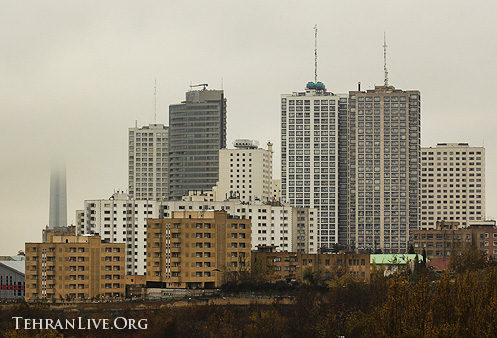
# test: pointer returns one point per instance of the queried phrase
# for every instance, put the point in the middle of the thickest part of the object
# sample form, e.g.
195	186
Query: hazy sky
74	75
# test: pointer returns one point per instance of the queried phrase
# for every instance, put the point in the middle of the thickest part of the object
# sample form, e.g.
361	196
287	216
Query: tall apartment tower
197	132
383	145
58	197
452	184
245	172
309	160
148	174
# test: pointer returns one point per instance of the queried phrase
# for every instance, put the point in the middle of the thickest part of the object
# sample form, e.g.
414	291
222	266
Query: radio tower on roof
315	53
385	58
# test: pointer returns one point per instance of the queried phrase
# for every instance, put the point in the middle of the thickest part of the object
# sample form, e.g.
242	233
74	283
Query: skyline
80	76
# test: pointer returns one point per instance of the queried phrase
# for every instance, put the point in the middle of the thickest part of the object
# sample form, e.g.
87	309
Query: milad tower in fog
58	196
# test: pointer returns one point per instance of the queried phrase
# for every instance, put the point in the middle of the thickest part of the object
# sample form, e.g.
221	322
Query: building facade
47	233
74	267
452	184
245	172
379	197
148	162
196	249
285	227
197	130
80	220
276	190
293	266
12	283
447	239
121	219
310	154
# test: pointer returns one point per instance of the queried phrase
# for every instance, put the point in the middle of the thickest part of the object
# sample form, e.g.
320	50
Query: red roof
439	264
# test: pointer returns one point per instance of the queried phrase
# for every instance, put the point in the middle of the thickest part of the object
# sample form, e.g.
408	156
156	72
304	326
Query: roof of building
392	259
12	258
439	264
18	266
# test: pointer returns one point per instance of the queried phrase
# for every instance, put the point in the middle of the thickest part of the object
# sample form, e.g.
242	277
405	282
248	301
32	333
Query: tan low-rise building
196	249
294	266
448	239
74	267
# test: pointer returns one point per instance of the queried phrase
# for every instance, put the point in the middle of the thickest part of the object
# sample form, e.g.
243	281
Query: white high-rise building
245	172
120	219
148	173
452	184
309	160
287	228
276	190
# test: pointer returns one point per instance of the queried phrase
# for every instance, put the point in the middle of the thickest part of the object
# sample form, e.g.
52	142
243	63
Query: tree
336	248
314	278
411	249
266	324
469	259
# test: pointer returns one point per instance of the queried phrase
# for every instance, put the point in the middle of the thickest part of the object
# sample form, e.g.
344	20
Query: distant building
58	197
12	282
48	233
288	228
200	196
197	130
448	239
74	267
276	190
452	184
293	266
392	263
245	172
80	220
196	249
379	195
19	257
121	219
309	154
148	173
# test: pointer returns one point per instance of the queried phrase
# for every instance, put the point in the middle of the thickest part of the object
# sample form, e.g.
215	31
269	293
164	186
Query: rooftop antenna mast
204	85
385	58
315	53
155	101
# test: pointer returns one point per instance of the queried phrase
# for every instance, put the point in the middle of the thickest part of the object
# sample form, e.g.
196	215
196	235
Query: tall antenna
385	58
155	101
315	53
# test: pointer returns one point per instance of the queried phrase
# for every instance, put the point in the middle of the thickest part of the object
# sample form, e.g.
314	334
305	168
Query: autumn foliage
457	304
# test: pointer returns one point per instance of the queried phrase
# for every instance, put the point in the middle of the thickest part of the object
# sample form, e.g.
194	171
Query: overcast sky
74	75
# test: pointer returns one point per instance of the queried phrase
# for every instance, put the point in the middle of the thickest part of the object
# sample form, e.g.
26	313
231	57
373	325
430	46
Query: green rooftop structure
393	259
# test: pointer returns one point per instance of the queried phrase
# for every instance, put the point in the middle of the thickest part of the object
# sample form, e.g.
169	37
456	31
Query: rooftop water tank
311	85
320	86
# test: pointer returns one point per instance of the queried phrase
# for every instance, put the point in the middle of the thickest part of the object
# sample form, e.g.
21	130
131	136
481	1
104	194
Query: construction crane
199	85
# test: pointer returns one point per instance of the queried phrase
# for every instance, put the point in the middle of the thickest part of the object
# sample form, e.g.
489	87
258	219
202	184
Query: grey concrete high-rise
58	196
382	138
197	130
148	174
